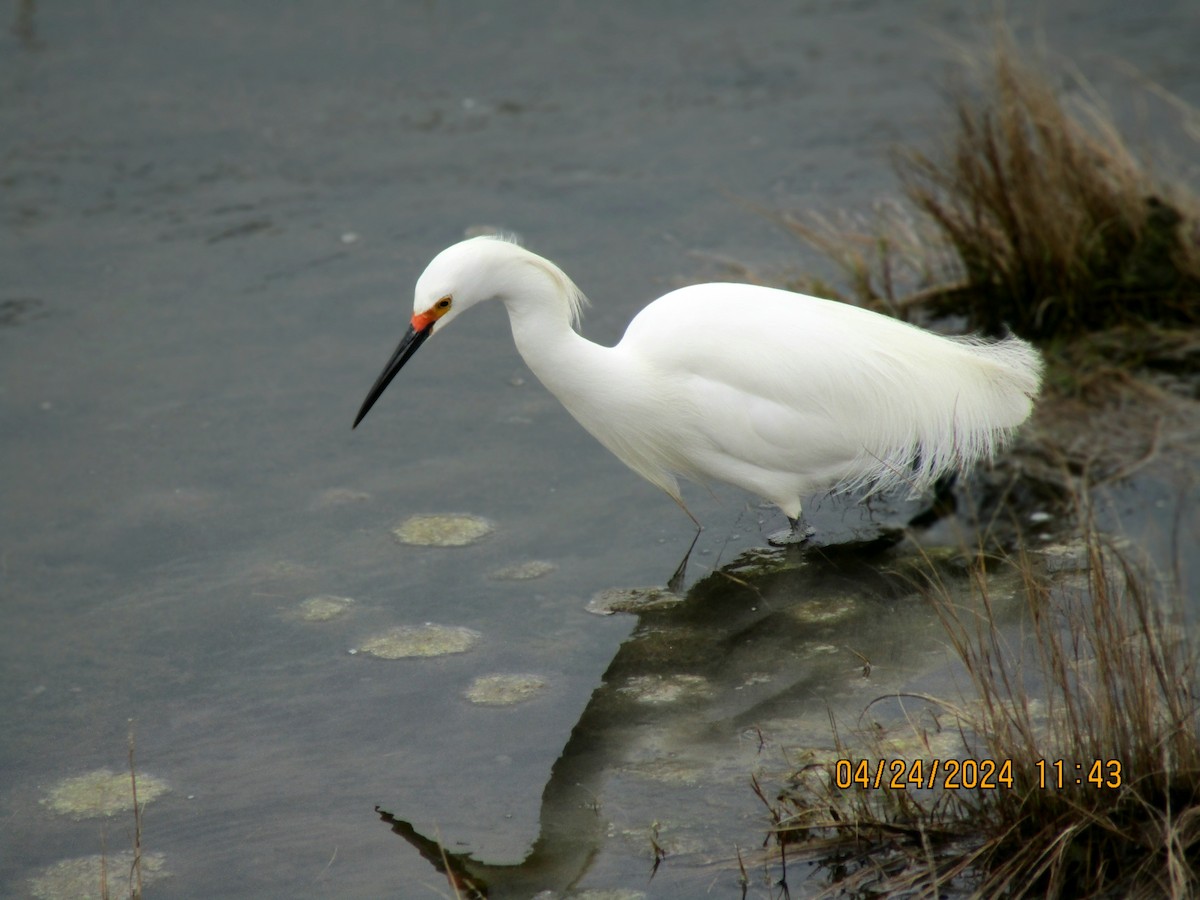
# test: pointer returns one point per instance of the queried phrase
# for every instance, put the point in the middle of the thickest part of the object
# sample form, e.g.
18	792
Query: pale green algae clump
504	690
429	639
526	571
101	793
79	878
442	531
324	607
656	689
815	612
632	600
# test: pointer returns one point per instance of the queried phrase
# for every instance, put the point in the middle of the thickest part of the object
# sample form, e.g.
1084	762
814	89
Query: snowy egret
781	394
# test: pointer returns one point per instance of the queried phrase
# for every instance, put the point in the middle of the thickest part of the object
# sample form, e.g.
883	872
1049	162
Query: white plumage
781	394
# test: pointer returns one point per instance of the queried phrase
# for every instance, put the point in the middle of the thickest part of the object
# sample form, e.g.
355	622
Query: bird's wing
779	380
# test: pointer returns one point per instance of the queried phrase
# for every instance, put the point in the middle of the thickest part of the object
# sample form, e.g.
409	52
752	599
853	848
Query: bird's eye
443	304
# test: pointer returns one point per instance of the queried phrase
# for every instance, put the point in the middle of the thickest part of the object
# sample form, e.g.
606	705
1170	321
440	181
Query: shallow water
212	218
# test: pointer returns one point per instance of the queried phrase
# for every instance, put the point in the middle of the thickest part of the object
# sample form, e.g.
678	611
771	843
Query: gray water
213	215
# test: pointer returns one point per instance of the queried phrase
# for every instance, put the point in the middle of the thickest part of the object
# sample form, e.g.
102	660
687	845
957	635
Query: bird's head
459	277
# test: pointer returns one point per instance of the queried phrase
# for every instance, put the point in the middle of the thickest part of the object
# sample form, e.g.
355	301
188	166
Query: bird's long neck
568	364
608	390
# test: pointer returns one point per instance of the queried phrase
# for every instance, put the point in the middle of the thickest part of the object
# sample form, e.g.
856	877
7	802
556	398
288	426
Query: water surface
213	215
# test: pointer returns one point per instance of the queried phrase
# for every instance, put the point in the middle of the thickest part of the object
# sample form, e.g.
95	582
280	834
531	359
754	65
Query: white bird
779	393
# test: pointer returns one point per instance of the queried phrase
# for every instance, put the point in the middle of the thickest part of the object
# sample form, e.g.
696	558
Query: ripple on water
442	530
429	639
335	497
504	690
525	571
101	793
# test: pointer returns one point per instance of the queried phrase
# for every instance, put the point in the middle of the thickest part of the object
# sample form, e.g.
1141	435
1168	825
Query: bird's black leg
675	584
797	533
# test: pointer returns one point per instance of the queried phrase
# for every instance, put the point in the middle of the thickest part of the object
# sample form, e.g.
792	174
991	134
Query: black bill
409	345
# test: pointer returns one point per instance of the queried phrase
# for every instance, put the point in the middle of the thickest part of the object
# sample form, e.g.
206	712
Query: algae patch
406	641
442	530
632	600
504	690
101	793
815	612
80	878
656	689
324	607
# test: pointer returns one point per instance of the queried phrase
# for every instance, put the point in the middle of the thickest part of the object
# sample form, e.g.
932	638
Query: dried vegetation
1039	218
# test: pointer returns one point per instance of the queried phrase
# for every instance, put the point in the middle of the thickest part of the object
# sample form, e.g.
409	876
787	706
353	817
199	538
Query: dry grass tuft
1057	226
1116	678
1037	217
1106	678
